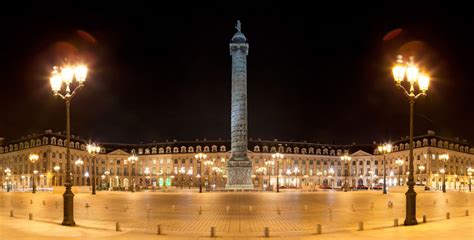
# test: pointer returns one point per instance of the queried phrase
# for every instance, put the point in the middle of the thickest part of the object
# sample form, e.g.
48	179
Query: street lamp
34	158
260	171
56	169
8	173
133	158
331	172
413	76
269	164
399	162
296	171
66	74
421	168
346	159
277	157
444	158
93	149
79	163
469	173
200	157
384	149
147	177
107	173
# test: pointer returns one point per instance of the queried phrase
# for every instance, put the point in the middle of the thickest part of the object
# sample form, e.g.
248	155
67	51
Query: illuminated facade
170	165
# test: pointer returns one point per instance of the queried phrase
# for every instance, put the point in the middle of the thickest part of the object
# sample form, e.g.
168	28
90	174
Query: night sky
316	73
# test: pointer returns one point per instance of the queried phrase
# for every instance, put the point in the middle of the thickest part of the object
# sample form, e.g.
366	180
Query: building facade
169	165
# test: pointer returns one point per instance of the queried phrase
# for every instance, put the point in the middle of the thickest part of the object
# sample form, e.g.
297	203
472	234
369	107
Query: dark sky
317	73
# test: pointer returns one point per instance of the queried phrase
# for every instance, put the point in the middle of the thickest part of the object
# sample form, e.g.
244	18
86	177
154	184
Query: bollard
30	216
424	218
434	202
159	230
361	226
372	205
278	210
117	227
11	213
213	231
318	229
31	201
448	215
250	208
56	204
395	222
106	206
446	200
266	231
44	203
87	205
467	213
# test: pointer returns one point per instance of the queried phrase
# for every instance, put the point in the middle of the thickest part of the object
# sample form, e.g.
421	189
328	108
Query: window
118	161
368	163
376	162
176	161
60	156
183	161
45	155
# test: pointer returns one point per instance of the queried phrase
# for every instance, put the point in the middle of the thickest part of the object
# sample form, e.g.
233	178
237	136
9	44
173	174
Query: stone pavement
235	215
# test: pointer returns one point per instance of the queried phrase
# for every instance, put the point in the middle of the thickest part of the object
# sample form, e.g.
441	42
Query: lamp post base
68	198
410	208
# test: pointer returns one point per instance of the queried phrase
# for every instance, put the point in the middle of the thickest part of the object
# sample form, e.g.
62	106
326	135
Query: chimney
431	132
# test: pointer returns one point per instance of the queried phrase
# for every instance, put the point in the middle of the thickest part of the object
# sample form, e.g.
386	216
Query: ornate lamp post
444	158
107	173
413	76
296	171
56	169
79	163
346	159
8	173
469	173
133	158
66	75
421	168
200	157
277	157
208	163
399	162
269	164
147	177
384	149
34	158
93	149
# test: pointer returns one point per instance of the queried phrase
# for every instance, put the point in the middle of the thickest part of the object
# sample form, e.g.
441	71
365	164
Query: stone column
239	167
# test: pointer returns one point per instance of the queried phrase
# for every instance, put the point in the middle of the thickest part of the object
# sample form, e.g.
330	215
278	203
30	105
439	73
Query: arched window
140	151
161	150
198	149
407	146
461	149
318	151
53	140
206	149
418	143
296	150
183	149
153	150
395	148
168	149
288	150
332	152
147	151
78	145
273	149
440	144
21	145
303	150
256	149
425	142
433	142
456	147
15	147
402	147
311	150
214	148
190	149
265	148
325	151
451	146
281	149
175	150
45	141
446	145
222	148
32	143
339	152
60	142
27	144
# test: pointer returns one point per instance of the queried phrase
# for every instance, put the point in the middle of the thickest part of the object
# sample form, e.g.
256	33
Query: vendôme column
239	167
